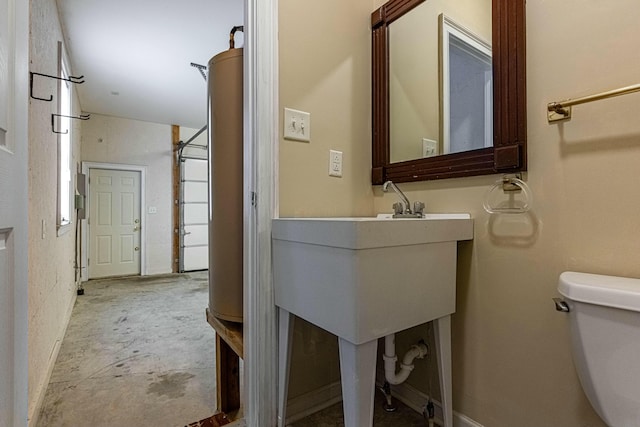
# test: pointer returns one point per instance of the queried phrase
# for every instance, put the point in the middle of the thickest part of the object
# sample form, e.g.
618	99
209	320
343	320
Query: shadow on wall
513	230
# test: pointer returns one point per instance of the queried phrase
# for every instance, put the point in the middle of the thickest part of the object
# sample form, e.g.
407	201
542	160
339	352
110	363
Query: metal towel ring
509	184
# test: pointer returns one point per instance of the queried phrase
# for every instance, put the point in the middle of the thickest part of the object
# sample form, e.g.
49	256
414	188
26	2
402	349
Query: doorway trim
84	252
261	138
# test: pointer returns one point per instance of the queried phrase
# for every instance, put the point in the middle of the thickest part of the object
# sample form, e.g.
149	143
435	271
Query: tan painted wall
116	140
512	362
52	287
324	69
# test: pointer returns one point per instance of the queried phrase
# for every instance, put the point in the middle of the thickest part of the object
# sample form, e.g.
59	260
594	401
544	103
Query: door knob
136	228
136	248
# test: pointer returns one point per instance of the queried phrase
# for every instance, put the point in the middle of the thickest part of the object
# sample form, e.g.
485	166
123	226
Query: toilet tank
605	337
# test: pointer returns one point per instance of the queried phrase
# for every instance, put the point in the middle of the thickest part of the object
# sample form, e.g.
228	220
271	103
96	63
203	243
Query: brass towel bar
561	110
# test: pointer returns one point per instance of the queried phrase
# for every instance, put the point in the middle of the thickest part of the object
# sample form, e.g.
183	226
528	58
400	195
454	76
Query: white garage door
194	249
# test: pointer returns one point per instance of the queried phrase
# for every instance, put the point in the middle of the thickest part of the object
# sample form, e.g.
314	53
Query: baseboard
416	400
314	401
33	416
317	400
460	420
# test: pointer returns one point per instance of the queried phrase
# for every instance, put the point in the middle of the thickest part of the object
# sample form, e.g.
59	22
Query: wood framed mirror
509	151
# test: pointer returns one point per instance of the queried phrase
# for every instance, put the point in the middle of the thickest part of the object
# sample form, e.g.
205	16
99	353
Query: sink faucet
403	209
407	206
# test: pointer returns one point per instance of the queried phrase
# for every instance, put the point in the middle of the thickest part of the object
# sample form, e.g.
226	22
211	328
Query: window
64	145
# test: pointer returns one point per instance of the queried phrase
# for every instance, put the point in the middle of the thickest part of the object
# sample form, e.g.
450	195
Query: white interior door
114	223
7	285
7	218
195	215
14	32
7	315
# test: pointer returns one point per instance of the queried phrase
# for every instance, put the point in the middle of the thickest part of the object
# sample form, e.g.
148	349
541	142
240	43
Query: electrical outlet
297	125
429	147
335	163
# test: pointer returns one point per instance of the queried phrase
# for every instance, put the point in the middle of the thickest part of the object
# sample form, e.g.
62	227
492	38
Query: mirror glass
440	79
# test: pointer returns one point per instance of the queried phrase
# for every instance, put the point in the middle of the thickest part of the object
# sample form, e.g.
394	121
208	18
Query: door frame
84	251
261	139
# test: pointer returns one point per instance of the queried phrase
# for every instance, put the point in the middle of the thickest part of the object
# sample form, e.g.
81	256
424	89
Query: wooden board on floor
229	350
217	420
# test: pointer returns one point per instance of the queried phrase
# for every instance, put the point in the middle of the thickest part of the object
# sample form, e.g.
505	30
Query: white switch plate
335	163
297	125
429	147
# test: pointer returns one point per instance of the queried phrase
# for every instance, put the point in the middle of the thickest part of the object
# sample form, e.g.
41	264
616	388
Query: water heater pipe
417	350
232	43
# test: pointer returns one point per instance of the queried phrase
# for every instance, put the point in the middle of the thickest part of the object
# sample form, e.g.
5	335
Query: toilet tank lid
610	291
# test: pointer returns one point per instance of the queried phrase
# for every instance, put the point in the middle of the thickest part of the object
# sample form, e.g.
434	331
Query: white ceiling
135	55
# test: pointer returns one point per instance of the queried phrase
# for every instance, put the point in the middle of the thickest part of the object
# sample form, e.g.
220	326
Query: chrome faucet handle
406	206
418	208
398	208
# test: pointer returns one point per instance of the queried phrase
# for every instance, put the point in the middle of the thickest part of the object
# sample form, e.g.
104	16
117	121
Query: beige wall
512	363
324	69
52	287
116	140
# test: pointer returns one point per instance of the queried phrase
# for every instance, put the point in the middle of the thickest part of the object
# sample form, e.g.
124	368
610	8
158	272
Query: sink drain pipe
419	351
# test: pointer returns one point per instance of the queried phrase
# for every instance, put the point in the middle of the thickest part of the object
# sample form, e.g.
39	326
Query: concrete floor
137	351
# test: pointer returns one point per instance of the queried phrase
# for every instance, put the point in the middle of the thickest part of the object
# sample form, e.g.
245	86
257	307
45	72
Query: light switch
297	125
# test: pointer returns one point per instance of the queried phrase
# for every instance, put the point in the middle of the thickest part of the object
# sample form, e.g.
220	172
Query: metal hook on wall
53	121
70	79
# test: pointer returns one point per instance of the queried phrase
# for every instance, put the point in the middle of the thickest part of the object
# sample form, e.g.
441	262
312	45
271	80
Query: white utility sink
364	278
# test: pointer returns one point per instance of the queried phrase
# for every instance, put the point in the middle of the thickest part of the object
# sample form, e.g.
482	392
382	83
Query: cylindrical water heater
225	185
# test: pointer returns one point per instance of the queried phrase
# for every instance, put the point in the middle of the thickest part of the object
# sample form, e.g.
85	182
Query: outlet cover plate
429	147
335	163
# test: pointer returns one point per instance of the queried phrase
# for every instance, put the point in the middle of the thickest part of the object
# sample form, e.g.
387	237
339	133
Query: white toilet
604	314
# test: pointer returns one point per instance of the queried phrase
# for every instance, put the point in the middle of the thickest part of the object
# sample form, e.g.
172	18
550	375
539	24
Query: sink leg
285	334
443	348
358	373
